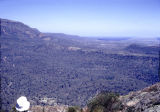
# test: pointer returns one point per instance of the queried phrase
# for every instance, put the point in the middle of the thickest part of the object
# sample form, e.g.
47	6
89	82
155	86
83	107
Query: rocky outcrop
146	100
57	108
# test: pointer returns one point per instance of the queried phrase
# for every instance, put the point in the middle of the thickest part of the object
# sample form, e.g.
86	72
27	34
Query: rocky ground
146	100
57	108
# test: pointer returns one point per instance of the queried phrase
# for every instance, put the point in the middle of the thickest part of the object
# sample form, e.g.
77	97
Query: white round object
22	104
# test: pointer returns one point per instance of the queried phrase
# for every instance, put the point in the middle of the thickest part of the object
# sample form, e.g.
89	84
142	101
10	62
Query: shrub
105	102
73	109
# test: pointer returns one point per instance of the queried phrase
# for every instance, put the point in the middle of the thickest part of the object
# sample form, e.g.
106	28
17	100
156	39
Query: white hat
22	104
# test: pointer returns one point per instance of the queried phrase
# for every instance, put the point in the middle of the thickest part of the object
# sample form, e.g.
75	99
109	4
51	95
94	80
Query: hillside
69	69
145	100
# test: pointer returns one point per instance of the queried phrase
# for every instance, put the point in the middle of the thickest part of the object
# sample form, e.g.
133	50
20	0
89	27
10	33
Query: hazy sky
140	18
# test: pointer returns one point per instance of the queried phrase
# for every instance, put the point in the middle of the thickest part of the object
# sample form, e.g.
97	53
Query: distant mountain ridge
15	28
114	38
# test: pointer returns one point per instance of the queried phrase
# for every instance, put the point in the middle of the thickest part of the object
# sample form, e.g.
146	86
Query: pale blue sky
140	18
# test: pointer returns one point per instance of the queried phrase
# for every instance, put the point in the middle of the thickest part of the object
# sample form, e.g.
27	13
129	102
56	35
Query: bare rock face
37	109
146	100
